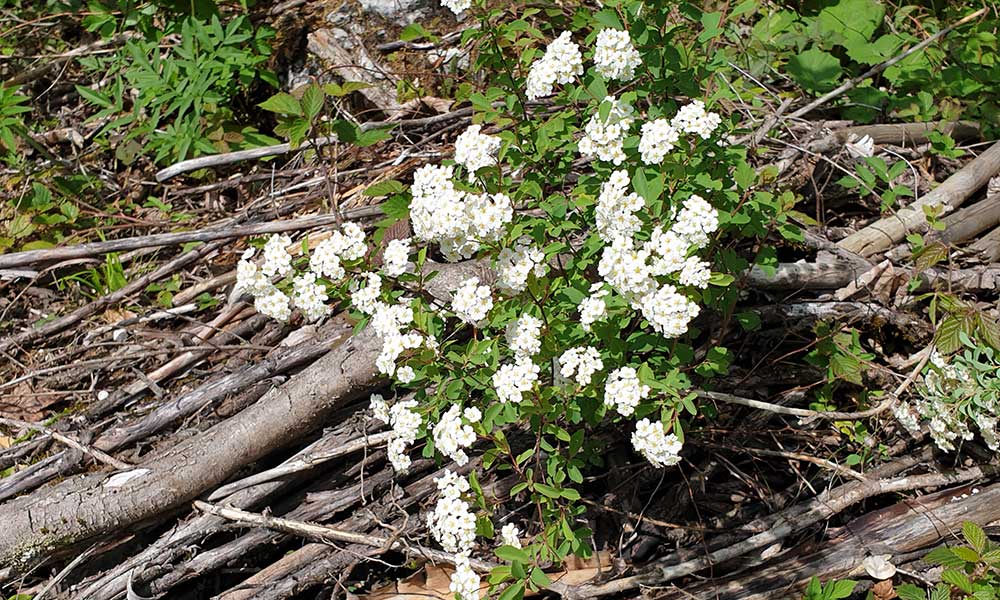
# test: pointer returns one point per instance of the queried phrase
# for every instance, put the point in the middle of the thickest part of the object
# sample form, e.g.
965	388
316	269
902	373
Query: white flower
396	257
693	118
615	210
405	425
366	299
696	221
605	138
249	279
513	379
614	55
695	273
623	390
593	308
523	335
452	523
275	304
658	138
560	64
325	261
457	6
475	150
277	260
309	297
451	436
380	410
510	535
515	265
471	302
452	218
349	242
405	374
668	311
627	269
667	250
464	581
583	362
863	147
659	449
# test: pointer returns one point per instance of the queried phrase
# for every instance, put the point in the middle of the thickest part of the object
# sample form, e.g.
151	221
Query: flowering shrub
611	222
955	395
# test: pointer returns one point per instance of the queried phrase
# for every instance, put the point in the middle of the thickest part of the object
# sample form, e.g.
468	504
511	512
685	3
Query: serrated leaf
945	557
373	136
384	188
958	579
312	101
908	591
930	255
989	331
947	337
975	536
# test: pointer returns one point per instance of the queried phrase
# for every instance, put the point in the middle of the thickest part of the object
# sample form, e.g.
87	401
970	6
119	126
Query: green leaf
958	579
414	31
94	97
815	70
947	337
945	557
908	591
547	490
282	103
514	592
842	589
512	554
975	535
312	101
539	578
373	136
384	188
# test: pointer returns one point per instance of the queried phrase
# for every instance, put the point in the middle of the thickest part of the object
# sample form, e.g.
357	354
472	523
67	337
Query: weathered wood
960	226
897	530
886	232
226	231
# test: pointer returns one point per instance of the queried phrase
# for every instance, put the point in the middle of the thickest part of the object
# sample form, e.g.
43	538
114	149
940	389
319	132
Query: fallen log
960	226
888	231
55	518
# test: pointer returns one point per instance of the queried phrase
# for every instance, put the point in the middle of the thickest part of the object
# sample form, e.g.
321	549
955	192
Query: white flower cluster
696	221
659	449
464	581
274	303
366	299
451	435
605	138
457	6
347	244
614	55
277	260
593	308
523	335
515	265
694	119
514	379
561	62
616	207
452	523
668	311
396	258
471	302
310	297
458	221
475	150
624	391
658	138
389	323
404	422
943	403
696	273
510	535
583	362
